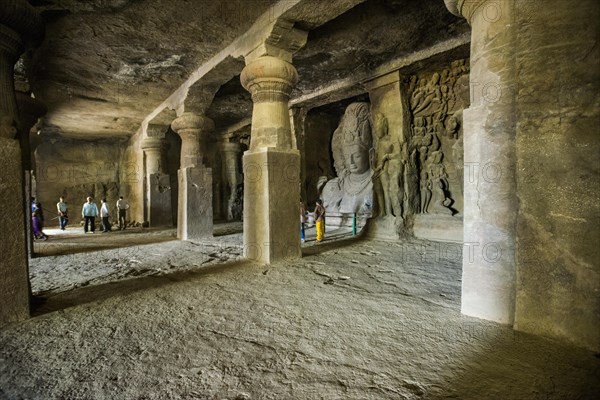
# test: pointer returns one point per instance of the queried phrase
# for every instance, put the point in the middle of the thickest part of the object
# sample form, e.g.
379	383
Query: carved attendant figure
390	167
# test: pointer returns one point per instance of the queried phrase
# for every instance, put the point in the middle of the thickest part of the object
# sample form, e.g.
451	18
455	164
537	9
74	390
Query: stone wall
76	169
558	172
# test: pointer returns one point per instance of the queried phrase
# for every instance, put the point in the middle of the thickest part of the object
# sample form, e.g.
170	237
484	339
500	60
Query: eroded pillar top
468	8
193	129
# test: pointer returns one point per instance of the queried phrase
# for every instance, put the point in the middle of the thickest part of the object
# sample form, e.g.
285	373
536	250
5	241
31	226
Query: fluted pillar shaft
271	165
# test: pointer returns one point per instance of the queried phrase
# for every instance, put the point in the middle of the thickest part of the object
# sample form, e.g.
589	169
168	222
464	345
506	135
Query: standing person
320	220
36	226
40	214
104	214
122	206
303	220
62	208
89	212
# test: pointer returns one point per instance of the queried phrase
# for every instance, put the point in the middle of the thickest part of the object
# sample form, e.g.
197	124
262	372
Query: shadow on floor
41	305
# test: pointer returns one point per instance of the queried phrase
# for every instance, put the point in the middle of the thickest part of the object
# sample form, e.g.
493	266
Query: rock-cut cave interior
299	199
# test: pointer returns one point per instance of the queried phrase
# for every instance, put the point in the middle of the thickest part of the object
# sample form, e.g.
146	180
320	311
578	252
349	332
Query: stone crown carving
154	143
464	8
269	79
190	121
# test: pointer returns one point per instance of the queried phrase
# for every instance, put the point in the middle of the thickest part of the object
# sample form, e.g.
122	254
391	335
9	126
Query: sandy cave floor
353	319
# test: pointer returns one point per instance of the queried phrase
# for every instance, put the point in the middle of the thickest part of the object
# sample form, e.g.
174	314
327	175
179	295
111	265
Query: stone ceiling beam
272	32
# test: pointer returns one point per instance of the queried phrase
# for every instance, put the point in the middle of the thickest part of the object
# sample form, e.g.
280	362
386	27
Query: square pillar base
14	274
195	216
271	205
160	201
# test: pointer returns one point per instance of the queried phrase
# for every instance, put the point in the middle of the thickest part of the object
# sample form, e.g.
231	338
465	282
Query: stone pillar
389	108
231	155
194	216
20	27
30	110
490	190
271	165
158	186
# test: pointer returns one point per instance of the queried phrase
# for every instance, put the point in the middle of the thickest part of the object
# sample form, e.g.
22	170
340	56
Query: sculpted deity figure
438	183
352	146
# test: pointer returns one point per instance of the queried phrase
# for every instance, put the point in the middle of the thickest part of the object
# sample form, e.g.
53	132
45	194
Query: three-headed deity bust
352	147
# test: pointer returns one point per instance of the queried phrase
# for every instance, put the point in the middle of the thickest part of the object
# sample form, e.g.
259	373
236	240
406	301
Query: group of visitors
89	212
319	215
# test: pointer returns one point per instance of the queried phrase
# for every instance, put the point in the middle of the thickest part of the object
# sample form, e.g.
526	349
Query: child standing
320	220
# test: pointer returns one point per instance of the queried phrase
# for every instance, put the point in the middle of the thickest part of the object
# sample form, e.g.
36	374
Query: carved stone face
357	159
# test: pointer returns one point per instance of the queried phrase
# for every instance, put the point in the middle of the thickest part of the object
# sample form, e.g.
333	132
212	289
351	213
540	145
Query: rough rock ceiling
105	64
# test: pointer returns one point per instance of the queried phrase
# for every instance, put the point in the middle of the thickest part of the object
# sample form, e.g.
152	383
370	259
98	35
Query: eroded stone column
231	155
271	165
20	27
489	268
194	216
158	186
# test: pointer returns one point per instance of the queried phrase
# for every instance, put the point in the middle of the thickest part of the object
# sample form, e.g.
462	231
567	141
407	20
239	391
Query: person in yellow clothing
320	220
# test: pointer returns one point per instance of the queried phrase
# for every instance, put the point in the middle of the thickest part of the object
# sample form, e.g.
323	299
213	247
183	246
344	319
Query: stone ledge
439	227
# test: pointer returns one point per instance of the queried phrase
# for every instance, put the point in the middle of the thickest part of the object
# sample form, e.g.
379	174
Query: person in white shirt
62	208
122	206
89	212
104	215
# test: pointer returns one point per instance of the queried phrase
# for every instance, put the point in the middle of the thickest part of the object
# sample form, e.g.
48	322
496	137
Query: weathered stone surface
76	169
14	279
195	218
558	174
109	63
160	201
271	221
441	228
490	201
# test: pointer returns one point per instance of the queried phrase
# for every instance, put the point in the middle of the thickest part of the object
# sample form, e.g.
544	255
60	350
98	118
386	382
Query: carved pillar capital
192	124
156	130
468	8
154	144
230	147
269	79
194	130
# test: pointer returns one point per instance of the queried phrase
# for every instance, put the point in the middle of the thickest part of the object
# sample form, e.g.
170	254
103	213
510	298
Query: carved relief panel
434	173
